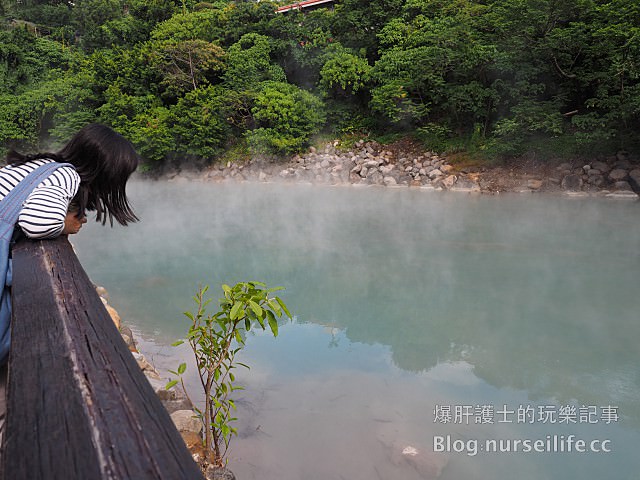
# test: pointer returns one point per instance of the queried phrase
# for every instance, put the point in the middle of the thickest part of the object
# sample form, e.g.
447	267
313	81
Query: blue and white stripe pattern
43	213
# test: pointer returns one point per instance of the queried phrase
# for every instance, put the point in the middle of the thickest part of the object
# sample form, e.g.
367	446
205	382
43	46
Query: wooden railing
78	406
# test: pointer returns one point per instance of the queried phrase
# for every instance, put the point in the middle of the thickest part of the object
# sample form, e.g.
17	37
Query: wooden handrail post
78	405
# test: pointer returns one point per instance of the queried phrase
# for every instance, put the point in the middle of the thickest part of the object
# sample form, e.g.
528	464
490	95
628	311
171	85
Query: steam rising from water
403	299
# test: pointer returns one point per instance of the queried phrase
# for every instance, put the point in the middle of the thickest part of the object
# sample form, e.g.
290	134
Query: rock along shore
405	164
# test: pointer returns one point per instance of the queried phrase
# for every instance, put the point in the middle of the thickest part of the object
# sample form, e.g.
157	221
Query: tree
25	58
299	41
608	72
200	124
433	68
248	17
46	14
185	65
344	72
128	68
208	25
90	18
569	61
147	14
285	117
345	80
142	119
357	23
249	63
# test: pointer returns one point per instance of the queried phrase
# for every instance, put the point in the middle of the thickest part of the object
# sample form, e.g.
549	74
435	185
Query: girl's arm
44	213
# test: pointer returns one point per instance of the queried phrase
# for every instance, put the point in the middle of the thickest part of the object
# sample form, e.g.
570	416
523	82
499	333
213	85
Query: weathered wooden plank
78	406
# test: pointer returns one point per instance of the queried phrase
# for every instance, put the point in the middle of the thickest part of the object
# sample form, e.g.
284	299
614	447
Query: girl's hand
73	224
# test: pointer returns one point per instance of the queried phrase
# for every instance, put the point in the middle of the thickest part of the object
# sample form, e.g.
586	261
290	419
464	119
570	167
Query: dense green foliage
188	80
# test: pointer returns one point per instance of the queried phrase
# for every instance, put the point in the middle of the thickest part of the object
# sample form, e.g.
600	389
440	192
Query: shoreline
404	164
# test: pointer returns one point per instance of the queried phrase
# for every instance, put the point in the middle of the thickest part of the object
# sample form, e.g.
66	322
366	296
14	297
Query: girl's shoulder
29	166
64	176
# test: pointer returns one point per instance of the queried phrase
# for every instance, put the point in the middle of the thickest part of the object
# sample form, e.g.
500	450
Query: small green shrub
215	340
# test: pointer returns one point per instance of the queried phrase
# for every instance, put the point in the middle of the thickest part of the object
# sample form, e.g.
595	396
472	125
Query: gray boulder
434	174
622	185
219	473
389	181
572	182
603	167
449	181
596	180
186	421
618	174
634	179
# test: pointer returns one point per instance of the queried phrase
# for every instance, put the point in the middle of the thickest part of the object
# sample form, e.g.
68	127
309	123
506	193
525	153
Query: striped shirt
43	213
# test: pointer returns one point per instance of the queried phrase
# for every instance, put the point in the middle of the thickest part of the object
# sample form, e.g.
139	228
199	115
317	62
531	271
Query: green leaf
170	384
181	368
273	323
235	310
256	308
261	321
275	307
177	342
284	307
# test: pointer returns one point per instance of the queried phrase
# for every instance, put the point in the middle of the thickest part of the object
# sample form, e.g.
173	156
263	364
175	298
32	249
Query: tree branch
562	72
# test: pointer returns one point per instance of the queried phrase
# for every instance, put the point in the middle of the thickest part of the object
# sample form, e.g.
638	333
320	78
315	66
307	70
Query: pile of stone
367	163
370	163
616	175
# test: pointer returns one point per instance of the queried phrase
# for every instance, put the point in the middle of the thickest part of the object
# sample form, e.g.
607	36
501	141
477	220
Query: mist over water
404	300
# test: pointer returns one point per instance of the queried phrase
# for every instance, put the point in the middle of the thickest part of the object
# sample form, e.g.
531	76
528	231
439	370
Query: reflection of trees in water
560	336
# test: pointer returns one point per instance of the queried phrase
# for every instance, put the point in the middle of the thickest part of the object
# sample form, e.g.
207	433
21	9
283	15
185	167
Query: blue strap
10	207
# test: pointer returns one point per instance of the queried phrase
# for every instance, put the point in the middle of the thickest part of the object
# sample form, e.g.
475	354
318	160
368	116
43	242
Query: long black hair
105	160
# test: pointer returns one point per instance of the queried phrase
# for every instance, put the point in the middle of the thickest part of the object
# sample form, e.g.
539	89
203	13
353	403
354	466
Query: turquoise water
407	304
